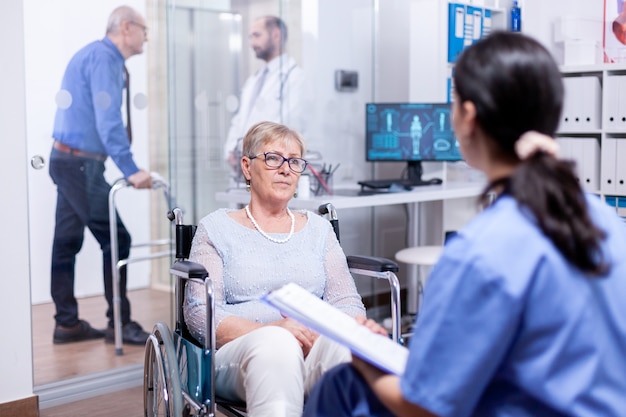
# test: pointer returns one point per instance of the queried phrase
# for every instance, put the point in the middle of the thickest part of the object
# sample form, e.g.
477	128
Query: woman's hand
372	325
233	327
305	336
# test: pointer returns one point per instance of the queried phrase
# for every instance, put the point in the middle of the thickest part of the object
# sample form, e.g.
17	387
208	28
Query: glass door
53	33
204	78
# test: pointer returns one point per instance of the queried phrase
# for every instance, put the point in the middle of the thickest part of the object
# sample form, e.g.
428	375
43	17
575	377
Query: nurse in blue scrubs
525	313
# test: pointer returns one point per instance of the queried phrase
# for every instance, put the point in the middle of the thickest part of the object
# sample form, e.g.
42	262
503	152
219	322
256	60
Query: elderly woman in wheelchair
264	359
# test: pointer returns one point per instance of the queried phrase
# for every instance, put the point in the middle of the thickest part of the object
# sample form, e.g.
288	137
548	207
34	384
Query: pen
321	180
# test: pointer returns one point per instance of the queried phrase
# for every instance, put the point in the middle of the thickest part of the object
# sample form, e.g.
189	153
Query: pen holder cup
322	184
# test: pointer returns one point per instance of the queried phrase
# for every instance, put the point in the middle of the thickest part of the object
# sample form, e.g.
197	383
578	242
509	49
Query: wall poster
614	36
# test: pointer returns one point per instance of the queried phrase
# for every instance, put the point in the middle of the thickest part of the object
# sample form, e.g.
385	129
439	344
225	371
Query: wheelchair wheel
162	389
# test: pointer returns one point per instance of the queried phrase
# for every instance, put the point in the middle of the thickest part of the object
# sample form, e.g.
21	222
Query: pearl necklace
265	235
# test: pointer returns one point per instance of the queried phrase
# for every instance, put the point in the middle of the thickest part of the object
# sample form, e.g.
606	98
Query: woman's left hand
305	336
372	325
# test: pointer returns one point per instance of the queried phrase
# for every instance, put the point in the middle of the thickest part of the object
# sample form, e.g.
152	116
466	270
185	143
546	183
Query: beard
267	52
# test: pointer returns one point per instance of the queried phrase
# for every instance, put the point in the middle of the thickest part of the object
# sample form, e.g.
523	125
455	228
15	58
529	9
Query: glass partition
184	92
209	59
204	64
189	79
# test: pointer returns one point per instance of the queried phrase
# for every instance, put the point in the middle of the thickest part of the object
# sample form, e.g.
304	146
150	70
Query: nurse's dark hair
516	87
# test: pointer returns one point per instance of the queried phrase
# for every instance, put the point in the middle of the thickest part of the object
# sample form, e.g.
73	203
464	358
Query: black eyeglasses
274	160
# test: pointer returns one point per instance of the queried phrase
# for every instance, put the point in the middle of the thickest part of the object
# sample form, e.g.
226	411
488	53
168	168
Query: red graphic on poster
619	24
614	31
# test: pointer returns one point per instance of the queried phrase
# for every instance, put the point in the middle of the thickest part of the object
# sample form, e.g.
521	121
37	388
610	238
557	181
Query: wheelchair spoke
162	389
156	400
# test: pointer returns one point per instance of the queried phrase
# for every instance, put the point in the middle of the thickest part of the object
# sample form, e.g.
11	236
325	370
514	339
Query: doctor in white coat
277	92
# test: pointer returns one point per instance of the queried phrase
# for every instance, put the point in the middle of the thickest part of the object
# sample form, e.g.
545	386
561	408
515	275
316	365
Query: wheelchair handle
329	209
175	214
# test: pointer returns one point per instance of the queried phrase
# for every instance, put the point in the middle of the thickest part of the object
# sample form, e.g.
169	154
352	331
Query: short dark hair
274	22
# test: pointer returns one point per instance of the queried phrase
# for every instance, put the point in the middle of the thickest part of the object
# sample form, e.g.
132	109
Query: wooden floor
127	403
58	362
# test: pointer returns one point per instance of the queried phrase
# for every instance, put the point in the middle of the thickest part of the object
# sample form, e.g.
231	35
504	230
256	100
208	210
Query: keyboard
402	182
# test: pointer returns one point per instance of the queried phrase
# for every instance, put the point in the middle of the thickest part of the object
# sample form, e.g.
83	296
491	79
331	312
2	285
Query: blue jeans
82	201
342	392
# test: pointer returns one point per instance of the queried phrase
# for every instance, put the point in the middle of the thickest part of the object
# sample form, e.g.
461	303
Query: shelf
589	132
590	69
580	133
616	134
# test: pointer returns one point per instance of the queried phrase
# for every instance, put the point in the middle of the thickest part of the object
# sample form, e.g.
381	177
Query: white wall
16	350
538	18
339	35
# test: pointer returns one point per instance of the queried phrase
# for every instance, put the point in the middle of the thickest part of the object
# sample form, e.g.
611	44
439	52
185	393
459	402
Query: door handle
37	162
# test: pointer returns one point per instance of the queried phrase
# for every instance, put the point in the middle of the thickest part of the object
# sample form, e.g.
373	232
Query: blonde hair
263	133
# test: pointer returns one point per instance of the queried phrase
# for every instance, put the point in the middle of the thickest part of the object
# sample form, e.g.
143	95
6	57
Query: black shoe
82	331
132	334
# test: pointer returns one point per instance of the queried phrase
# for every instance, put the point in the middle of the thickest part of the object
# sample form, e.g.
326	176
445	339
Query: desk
413	198
417	195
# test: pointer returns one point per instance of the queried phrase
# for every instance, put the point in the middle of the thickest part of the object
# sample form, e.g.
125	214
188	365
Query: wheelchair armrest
372	263
188	269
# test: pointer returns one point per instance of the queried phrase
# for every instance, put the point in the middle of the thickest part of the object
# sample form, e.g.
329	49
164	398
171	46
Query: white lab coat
288	105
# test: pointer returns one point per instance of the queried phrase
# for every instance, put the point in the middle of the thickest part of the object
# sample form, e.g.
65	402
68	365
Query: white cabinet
592	130
583	104
614	172
586	152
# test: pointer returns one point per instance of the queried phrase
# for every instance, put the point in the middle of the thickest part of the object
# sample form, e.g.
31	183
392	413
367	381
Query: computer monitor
411	133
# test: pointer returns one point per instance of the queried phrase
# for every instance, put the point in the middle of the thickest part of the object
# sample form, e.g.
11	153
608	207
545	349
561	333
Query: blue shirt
510	328
94	79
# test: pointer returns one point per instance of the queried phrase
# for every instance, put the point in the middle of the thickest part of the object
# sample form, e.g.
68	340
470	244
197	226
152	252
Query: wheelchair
179	373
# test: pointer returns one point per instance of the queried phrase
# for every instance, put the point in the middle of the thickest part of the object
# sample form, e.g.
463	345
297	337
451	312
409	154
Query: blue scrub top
509	328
